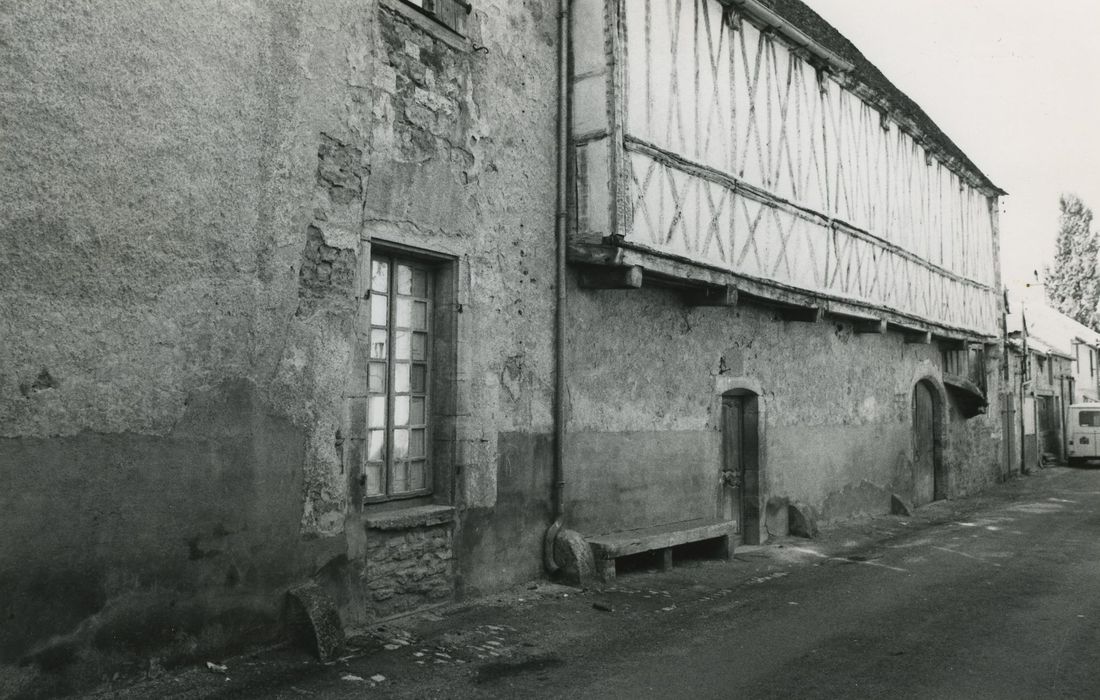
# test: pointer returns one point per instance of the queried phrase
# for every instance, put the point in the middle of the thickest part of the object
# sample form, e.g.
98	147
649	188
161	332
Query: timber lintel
916	337
870	326
706	285
725	295
800	314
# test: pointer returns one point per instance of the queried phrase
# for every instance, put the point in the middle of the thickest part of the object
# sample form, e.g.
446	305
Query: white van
1083	432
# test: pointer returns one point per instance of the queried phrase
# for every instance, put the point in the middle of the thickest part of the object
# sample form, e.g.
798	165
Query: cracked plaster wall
463	164
189	192
647	372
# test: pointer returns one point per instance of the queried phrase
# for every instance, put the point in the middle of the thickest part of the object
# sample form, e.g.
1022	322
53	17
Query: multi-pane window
449	12
396	462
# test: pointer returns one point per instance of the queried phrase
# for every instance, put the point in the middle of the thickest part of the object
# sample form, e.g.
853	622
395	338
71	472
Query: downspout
1025	366
1020	418
561	225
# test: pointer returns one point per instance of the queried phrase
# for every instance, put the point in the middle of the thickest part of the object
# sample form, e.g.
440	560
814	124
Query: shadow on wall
489	540
150	550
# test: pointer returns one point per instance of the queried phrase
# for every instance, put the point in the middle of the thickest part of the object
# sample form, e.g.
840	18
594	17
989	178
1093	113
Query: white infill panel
740	154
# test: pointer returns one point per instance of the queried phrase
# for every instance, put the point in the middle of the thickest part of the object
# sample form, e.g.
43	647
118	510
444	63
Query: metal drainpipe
561	231
1024	362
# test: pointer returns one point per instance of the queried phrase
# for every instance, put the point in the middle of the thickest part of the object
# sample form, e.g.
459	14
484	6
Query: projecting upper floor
752	143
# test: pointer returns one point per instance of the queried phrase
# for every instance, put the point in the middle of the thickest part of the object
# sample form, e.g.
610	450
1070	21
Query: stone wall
192	192
462	145
408	569
646	376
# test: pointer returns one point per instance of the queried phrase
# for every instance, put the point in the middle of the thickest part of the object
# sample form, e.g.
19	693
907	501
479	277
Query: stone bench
606	548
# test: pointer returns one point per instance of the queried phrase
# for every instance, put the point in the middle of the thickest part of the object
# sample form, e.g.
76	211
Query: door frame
940	486
752	514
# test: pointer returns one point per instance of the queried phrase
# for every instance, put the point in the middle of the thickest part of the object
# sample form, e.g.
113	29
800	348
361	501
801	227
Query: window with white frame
397	459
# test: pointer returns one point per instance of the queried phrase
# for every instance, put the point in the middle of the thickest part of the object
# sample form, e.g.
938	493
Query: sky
1014	84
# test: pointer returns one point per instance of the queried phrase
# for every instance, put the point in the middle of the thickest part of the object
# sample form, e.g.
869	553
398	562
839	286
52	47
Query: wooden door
1049	430
924	445
741	465
1008	430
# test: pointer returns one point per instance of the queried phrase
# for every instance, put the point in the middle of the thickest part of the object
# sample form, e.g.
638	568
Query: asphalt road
993	597
1002	604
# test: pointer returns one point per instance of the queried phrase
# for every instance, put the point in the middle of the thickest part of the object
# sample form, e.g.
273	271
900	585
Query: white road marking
964	554
848	561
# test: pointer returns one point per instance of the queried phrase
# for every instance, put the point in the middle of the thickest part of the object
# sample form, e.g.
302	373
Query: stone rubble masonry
420	111
407	569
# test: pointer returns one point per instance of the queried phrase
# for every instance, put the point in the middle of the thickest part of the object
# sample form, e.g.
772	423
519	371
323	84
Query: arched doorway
740	497
929	483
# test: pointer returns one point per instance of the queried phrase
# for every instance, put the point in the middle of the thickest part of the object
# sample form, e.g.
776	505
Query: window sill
436	29
408	518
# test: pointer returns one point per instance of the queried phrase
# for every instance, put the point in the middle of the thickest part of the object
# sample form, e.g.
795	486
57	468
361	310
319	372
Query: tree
1072	282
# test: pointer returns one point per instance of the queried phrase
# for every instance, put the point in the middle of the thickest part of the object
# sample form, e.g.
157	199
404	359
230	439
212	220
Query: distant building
1054	362
1068	337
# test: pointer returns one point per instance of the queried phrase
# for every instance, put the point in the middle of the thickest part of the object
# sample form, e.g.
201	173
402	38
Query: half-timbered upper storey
751	145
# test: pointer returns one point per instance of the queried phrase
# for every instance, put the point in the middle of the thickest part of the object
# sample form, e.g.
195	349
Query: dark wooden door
1049	428
924	445
1008	430
732	468
741	464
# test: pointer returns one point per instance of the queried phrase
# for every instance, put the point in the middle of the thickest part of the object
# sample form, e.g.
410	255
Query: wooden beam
666	559
589	253
870	326
676	269
713	296
918	337
792	34
611	277
666	269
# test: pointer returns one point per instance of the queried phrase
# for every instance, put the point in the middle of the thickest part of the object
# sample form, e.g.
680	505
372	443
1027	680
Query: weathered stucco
190	192
647	372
